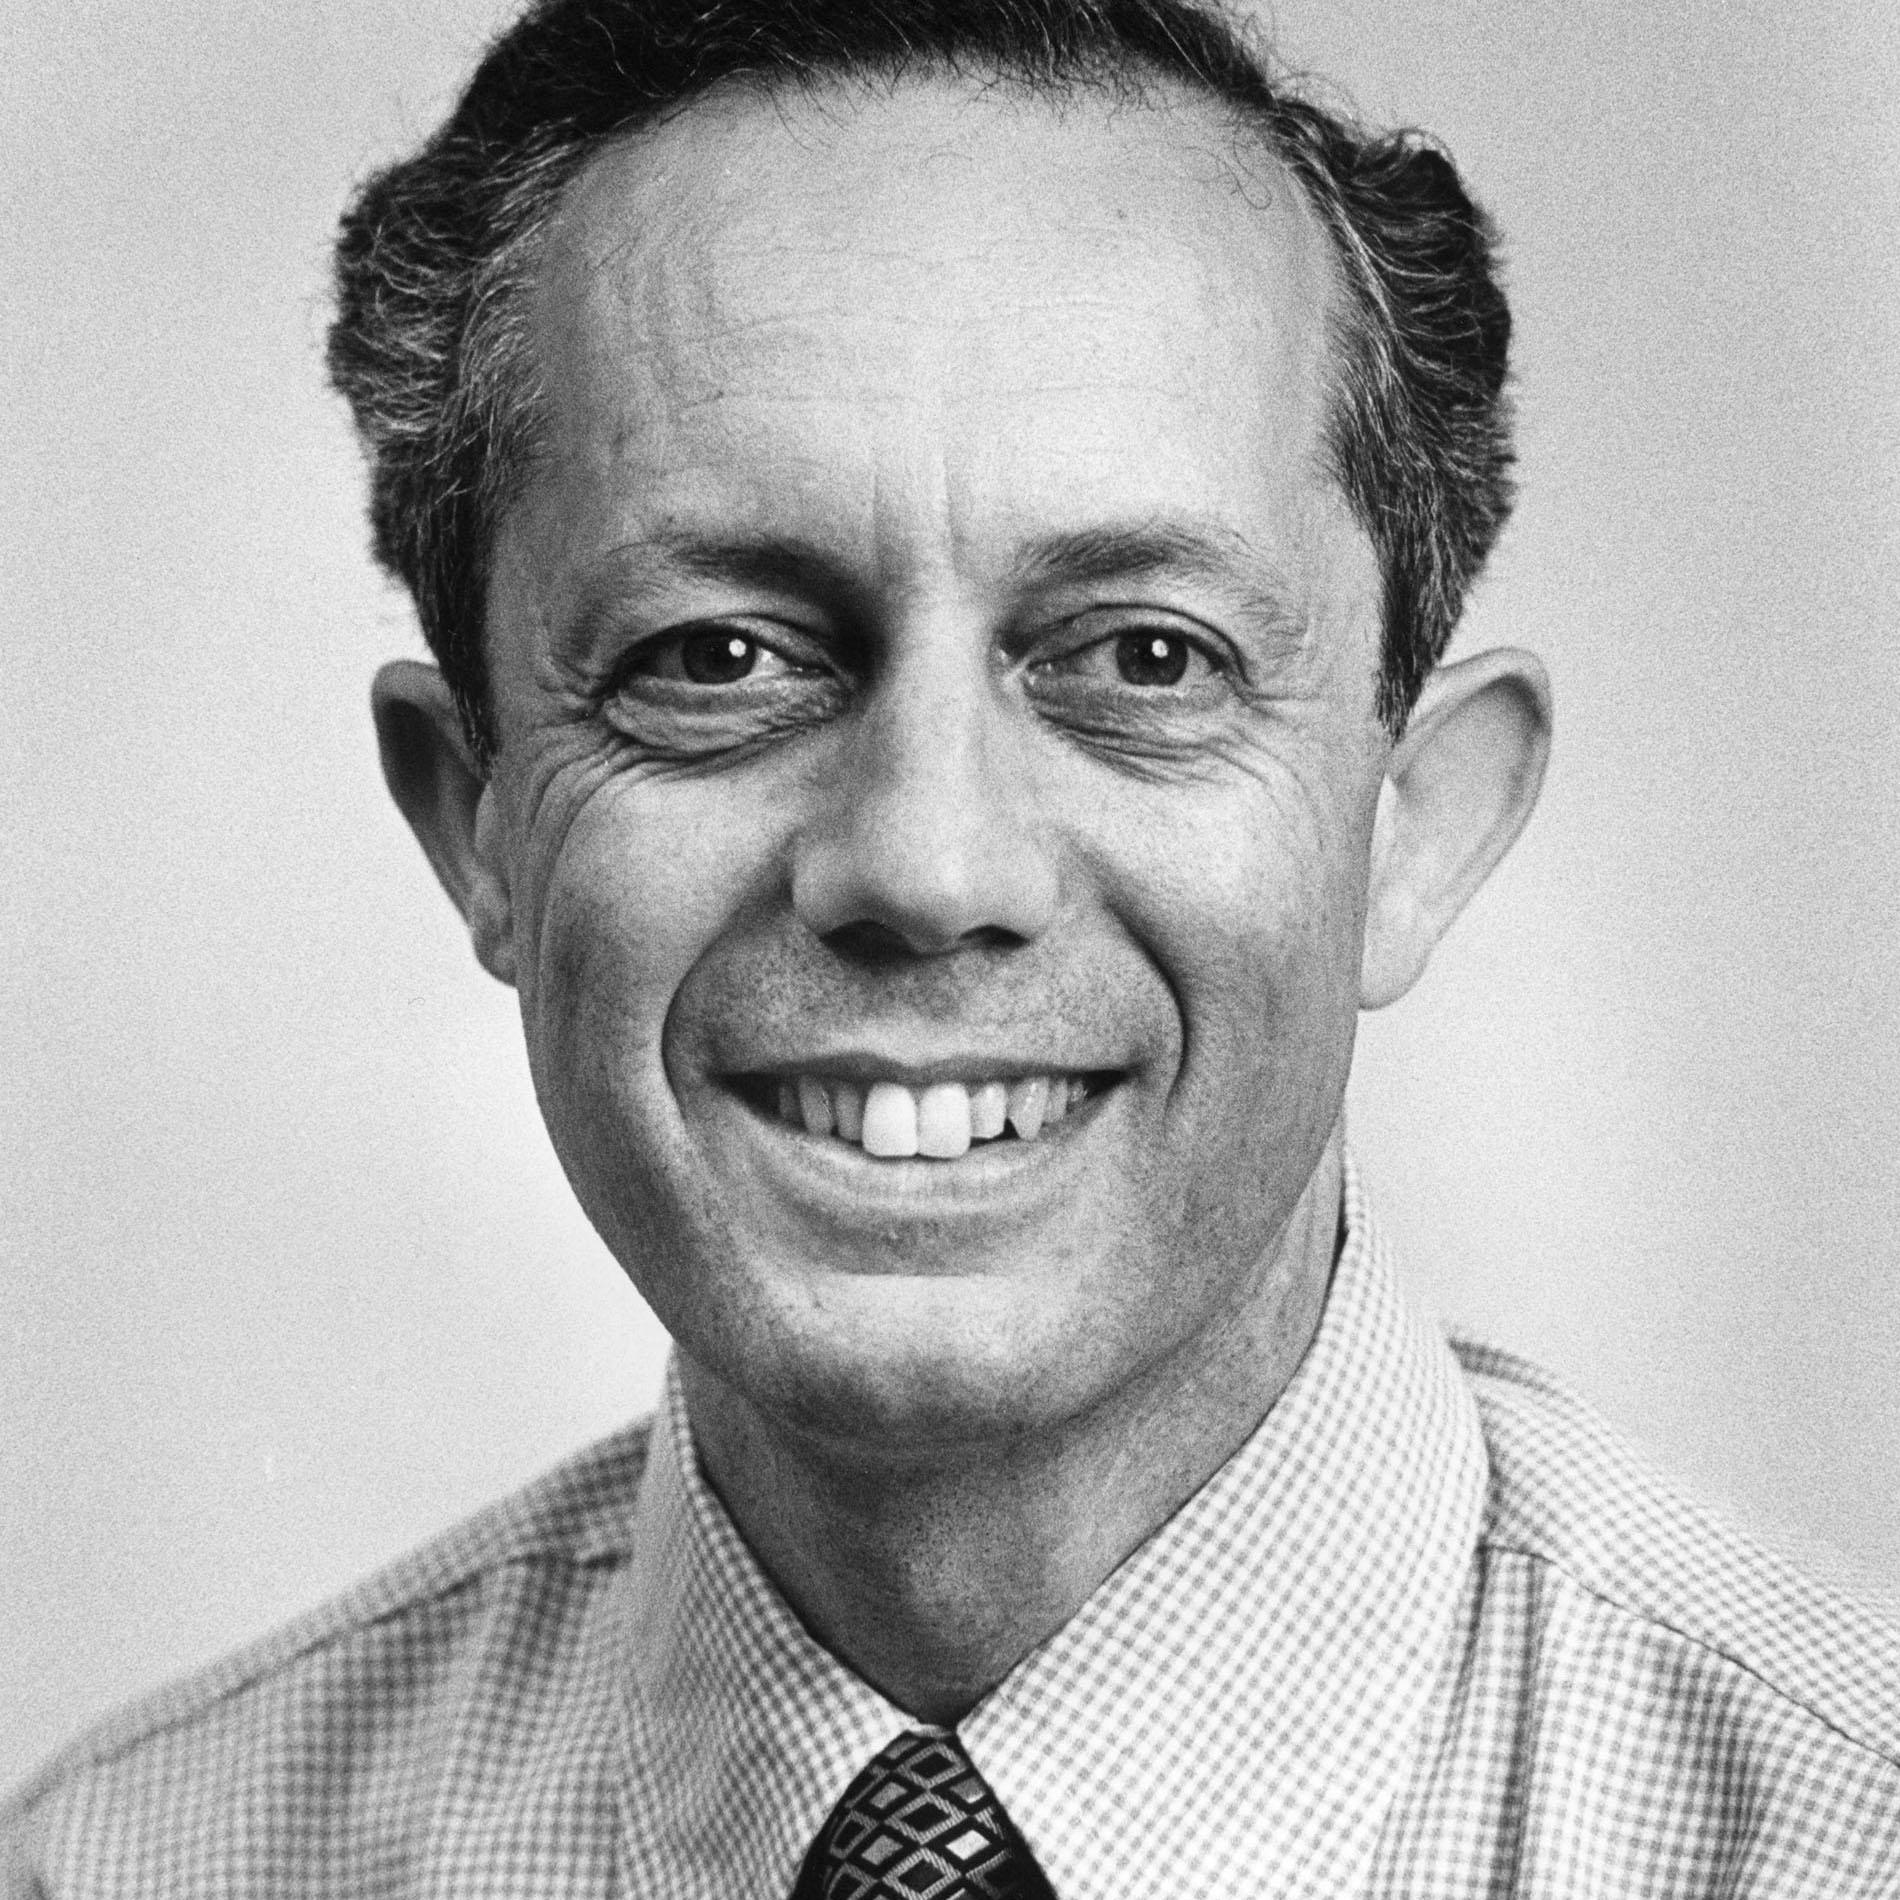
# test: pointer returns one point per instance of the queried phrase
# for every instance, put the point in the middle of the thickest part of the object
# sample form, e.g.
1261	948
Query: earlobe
439	789
1459	787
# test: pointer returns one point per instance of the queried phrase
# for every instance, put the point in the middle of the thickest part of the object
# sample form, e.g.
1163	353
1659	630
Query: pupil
717	659
1151	659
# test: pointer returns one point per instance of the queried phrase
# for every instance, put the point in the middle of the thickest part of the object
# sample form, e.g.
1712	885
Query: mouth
939	1120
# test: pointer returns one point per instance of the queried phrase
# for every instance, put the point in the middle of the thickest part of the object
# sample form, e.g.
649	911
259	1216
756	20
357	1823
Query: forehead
933	316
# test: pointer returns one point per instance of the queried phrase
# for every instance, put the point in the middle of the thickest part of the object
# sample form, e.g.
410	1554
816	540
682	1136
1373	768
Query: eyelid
1098	626
800	649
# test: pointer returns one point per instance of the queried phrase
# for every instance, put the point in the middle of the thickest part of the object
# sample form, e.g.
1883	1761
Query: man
938	523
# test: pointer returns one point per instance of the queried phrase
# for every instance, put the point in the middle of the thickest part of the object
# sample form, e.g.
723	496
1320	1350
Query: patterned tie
920	1824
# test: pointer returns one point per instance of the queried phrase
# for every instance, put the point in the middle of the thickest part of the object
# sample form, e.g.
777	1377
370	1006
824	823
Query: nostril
877	945
867	941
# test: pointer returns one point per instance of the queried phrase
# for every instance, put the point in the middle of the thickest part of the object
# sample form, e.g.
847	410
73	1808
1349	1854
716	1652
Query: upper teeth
940	1120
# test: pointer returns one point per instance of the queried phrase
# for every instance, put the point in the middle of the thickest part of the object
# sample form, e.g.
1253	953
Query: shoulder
1620	1551
295	1703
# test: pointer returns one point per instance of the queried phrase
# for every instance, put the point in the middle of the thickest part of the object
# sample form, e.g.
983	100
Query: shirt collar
1231	1710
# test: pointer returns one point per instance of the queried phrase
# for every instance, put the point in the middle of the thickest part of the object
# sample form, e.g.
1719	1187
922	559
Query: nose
930	838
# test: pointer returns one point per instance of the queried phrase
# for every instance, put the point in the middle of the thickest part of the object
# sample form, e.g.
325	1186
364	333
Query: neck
932	1575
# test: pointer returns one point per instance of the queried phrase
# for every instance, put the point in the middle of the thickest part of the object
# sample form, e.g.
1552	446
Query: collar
1232	1710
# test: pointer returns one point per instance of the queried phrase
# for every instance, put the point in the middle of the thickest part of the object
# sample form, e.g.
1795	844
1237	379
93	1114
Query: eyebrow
1218	557
1115	553
763	560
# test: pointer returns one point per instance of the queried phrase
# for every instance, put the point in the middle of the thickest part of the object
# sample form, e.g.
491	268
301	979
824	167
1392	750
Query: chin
898	1366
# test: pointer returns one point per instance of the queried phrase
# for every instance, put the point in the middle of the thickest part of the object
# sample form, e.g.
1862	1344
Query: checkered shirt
1432	1632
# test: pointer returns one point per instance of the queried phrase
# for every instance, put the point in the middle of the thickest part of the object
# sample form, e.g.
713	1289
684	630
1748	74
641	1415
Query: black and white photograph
951	950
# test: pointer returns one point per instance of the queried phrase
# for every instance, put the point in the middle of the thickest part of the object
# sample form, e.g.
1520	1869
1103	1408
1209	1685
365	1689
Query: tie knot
919	1823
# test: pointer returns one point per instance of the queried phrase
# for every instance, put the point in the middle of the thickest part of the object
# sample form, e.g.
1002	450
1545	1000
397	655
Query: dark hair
433	255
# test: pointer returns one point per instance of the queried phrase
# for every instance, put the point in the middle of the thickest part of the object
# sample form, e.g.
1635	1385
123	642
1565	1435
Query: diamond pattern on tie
920	1824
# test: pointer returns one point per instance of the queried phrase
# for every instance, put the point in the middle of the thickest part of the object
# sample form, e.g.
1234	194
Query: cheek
635	885
1249	897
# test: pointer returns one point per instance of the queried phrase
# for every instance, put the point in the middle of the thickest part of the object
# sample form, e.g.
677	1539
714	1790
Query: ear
437	786
1458	789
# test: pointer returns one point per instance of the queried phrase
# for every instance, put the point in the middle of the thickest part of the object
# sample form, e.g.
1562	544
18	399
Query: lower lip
994	1178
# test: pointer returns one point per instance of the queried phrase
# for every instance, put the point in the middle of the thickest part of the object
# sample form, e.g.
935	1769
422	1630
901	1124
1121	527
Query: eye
721	655
717	659
703	656
705	687
1148	658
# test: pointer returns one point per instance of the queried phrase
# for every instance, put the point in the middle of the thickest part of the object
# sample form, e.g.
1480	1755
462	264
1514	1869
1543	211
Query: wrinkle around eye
683	721
1207	724
1083	690
653	701
1215	746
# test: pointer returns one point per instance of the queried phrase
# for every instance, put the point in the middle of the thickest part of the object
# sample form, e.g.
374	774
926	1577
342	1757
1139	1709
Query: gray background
290	1274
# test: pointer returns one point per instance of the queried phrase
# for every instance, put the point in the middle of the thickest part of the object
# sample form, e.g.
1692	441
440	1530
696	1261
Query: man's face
931	652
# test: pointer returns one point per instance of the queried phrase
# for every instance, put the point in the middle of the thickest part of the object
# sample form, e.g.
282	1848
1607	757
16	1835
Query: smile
938	1121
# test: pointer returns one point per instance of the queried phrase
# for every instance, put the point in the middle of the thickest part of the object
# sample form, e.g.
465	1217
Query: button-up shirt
1432	1631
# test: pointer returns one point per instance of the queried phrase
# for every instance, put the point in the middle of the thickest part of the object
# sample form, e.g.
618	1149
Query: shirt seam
78	1758
1721	1653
